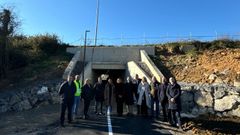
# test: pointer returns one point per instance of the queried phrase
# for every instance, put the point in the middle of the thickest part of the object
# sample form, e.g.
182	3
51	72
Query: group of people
146	96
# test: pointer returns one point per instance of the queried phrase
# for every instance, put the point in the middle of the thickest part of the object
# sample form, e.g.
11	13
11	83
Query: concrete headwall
155	71
133	69
113	54
71	65
87	72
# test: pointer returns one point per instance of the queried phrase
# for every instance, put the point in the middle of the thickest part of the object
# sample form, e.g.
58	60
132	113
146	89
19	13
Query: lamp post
84	53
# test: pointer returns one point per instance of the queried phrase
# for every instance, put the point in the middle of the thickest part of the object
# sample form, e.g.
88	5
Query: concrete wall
87	72
133	69
113	54
71	65
155	71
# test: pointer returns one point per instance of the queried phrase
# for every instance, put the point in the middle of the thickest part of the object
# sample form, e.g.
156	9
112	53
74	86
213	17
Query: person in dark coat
163	98
99	96
174	102
128	96
136	81
87	95
119	91
109	94
154	97
66	91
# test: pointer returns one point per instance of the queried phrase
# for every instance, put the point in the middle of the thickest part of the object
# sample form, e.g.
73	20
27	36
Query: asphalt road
45	121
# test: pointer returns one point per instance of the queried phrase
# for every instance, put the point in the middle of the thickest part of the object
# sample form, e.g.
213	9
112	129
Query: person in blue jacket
67	91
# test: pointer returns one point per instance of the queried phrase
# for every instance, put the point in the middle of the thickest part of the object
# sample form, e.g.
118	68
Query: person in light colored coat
144	99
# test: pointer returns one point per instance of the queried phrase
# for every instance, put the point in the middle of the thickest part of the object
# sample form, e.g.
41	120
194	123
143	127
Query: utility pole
96	29
84	53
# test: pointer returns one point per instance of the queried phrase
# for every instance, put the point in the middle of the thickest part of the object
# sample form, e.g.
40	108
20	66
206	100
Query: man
154	97
67	91
136	81
119	92
128	94
174	101
99	96
163	98
77	95
108	94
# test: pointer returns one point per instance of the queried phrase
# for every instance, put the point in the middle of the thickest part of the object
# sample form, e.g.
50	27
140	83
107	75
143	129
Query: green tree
7	27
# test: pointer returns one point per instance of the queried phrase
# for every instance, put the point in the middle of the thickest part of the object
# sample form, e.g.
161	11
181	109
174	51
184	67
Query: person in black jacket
174	102
66	91
87	95
119	96
99	95
128	94
163	98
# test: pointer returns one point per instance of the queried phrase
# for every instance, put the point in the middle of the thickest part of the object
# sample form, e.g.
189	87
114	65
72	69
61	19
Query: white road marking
109	122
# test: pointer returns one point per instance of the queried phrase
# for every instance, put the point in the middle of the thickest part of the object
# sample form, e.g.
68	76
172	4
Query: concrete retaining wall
133	69
155	71
113	54
71	65
87	72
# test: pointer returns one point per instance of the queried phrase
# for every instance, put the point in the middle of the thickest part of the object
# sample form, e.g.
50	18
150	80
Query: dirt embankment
221	66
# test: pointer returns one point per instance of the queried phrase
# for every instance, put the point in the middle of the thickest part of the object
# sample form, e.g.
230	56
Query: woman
87	95
128	94
119	96
174	101
108	94
144	99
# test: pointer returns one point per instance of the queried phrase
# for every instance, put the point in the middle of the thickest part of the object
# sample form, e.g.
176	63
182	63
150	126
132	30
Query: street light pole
84	53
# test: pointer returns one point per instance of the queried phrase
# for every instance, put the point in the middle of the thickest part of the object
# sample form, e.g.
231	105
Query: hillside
220	65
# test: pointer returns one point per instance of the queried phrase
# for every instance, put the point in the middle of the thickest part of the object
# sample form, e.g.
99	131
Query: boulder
203	99
187	101
43	90
219	93
236	112
226	103
14	99
23	105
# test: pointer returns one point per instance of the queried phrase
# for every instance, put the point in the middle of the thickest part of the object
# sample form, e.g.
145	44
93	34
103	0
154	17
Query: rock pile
201	99
31	97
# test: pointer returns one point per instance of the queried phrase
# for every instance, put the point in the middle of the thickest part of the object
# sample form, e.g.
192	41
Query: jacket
87	92
109	94
119	92
144	92
174	91
128	93
99	92
67	91
162	93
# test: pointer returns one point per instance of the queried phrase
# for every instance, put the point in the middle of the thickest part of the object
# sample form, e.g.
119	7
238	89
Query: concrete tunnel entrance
113	74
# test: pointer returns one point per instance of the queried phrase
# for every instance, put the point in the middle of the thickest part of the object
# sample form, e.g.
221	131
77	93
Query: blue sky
128	21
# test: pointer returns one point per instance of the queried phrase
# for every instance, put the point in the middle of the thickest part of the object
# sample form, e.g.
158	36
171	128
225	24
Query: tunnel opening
111	73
